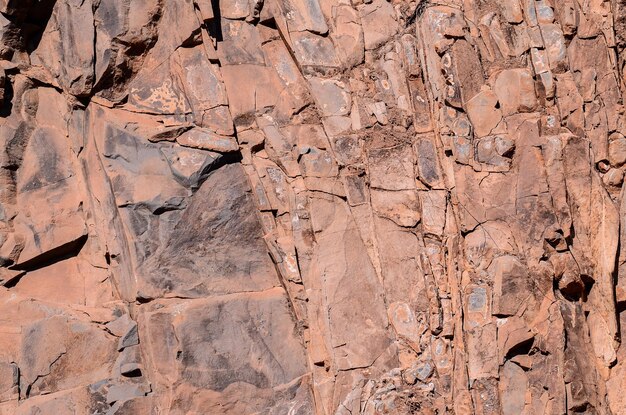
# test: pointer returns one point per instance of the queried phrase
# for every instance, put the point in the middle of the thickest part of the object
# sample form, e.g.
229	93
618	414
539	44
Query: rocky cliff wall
312	207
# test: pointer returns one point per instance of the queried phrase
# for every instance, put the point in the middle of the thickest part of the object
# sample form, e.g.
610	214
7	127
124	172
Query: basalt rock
312	207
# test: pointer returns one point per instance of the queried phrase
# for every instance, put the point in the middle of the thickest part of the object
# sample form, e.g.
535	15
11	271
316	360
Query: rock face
312	207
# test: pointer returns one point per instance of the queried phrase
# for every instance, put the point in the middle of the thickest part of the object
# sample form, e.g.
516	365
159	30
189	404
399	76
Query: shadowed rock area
312	207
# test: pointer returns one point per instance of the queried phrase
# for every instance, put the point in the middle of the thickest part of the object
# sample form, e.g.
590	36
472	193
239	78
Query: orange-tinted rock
379	23
484	112
312	207
515	89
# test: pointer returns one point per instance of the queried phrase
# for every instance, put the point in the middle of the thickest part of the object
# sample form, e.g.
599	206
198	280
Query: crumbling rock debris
312	207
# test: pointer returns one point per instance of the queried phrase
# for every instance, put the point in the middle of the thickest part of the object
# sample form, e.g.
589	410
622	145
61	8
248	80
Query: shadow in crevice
214	25
227	158
66	251
34	22
7	99
522	349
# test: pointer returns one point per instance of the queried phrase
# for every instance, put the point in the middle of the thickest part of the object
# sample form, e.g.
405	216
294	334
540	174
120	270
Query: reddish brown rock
312	207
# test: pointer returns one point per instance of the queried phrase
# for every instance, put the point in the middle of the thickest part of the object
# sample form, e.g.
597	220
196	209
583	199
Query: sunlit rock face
312	207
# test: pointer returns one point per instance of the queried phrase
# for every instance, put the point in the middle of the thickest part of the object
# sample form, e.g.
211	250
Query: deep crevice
7	99
214	25
35	23
226	158
60	253
521	349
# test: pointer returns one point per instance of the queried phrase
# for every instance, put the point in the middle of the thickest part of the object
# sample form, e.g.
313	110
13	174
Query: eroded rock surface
312	207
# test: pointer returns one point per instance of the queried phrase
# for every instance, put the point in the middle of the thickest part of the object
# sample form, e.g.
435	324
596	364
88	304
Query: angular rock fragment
331	96
484	112
402	207
392	168
379	23
315	54
515	89
179	275
66	46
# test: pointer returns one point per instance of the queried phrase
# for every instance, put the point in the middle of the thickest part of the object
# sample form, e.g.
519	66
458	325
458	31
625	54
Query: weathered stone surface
379	23
392	168
223	347
331	274
484	112
198	259
402	207
312	207
66	47
331	97
515	89
348	34
207	140
136	169
57	365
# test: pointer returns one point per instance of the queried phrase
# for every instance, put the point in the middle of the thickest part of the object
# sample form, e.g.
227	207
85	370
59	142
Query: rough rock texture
312	207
